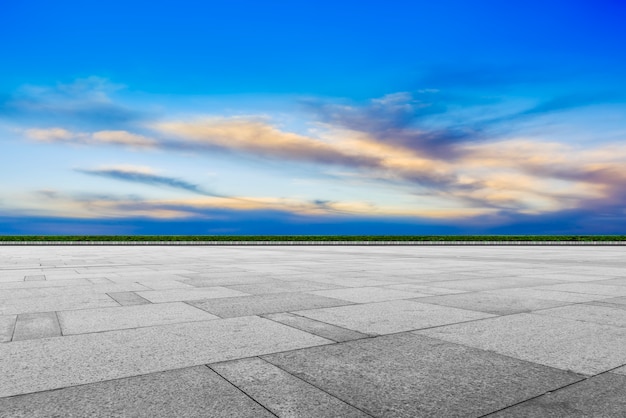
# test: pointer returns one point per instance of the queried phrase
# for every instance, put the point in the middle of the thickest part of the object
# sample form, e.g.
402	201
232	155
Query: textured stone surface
263	304
34	277
490	302
365	294
190	392
583	347
318	328
36	325
597	397
282	393
407	375
58	303
589	313
7	325
107	319
282	287
50	363
128	298
392	316
176	295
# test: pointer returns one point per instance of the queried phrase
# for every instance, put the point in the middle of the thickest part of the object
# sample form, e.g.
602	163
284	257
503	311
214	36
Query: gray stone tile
227	281
164	284
590	313
544	294
56	303
597	397
282	287
406	375
620	370
128	298
321	329
616	281
42	284
365	294
492	283
582	347
178	295
51	363
588	289
423	290
490	302
264	304
282	393
108	319
35	277
7	325
190	392
31	326
393	316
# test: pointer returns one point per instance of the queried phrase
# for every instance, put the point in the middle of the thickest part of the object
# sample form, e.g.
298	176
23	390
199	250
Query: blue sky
343	117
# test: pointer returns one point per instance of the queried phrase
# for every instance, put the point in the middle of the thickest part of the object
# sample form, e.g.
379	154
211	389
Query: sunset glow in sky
326	117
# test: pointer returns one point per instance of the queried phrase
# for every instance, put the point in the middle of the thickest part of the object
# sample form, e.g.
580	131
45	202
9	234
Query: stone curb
318	243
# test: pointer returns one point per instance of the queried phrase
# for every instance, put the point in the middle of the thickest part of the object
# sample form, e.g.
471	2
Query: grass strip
374	238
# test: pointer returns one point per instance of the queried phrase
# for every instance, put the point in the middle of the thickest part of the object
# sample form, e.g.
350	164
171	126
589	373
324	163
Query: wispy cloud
146	176
85	103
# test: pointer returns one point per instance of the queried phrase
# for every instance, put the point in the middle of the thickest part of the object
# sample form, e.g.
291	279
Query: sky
329	117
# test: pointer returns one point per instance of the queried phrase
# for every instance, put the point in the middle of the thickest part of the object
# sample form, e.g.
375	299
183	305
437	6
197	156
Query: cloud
258	138
124	138
405	119
146	176
85	103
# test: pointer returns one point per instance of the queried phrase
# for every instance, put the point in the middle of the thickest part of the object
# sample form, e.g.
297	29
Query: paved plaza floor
312	331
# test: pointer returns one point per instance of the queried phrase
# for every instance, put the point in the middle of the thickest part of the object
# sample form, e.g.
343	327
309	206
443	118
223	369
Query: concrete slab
190	392
128	298
582	347
590	313
282	393
282	287
392	316
599	396
588	289
7	325
545	294
58	303
490	302
321	329
52	363
408	375
178	295
424	290
226	281
493	283
108	319
264	304
34	277
36	325
365	294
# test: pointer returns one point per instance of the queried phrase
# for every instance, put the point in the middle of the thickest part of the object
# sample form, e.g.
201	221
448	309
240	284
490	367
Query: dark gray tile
282	393
404	376
31	326
34	278
601	396
128	298
192	392
263	304
318	328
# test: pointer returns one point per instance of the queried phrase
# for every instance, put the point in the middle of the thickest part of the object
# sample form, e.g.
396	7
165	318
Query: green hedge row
313	238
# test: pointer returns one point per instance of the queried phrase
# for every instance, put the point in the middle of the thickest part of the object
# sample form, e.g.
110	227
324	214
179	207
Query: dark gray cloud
149	179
